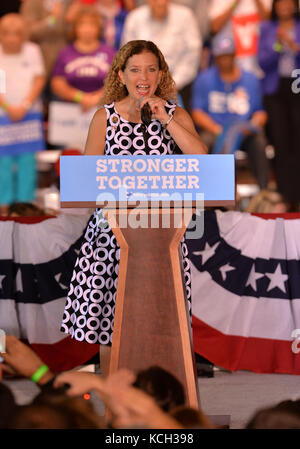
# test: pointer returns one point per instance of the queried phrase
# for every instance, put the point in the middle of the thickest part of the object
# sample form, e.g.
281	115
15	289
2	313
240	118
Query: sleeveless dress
90	304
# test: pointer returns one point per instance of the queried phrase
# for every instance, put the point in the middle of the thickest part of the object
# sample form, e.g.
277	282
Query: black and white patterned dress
90	305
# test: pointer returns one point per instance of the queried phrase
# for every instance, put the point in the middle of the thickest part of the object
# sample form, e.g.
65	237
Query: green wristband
51	20
78	97
4	106
277	47
39	373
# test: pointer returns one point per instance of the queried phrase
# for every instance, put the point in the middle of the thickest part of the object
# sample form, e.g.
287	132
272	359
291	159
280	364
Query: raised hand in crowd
262	10
20	359
132	407
128	406
73	10
81	382
218	22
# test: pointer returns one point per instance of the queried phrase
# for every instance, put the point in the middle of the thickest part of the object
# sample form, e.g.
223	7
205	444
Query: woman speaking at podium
139	117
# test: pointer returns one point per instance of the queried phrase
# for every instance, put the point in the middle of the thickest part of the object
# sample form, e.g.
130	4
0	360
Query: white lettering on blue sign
148	180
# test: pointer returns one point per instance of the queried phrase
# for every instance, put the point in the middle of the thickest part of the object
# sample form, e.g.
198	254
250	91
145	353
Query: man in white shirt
200	11
174	30
240	19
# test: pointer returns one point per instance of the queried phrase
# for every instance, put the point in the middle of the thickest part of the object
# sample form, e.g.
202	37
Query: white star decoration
277	279
225	269
253	277
207	252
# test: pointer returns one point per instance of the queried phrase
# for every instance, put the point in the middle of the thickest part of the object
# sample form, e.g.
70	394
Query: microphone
146	114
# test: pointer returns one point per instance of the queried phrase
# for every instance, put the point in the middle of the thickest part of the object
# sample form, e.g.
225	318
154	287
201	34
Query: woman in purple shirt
82	66
279	57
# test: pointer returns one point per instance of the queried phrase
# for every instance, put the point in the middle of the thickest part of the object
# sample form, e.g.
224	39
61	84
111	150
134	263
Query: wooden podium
152	324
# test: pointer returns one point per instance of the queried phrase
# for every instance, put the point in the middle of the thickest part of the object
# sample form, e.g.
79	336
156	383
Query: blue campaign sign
24	136
88	179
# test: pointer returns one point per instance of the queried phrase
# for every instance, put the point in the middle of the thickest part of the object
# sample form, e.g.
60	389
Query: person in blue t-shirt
227	109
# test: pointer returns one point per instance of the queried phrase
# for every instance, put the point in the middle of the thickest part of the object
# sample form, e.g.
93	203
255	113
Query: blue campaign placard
150	178
24	136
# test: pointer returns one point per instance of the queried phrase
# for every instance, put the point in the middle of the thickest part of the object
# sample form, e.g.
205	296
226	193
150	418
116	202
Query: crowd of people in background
149	399
234	63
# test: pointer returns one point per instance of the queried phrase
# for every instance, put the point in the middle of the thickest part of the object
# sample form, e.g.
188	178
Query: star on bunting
277	279
225	269
253	277
207	252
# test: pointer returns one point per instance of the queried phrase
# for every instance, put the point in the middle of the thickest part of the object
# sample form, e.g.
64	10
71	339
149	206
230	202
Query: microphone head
146	114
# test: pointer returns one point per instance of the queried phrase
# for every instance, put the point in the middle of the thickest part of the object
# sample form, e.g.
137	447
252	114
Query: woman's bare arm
95	143
183	131
264	13
220	21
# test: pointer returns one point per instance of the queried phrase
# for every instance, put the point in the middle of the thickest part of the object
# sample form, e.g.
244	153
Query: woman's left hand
157	106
